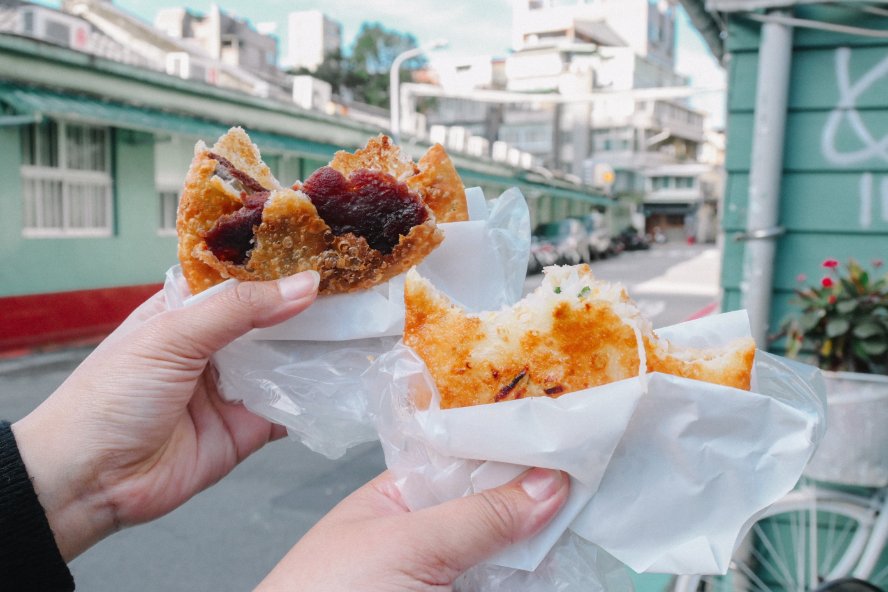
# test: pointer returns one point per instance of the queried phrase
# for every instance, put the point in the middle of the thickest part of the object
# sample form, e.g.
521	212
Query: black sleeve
29	557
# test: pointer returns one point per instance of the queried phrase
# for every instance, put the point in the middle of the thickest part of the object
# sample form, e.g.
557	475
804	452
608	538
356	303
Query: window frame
160	192
34	176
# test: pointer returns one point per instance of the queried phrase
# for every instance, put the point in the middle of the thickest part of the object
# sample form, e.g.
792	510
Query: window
172	156
66	180
169	203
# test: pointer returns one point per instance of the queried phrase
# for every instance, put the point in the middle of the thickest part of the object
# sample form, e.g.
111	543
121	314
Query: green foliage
375	48
844	320
365	71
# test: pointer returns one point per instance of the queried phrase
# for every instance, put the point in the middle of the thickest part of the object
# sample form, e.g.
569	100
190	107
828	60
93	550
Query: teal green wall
134	254
10	208
821	204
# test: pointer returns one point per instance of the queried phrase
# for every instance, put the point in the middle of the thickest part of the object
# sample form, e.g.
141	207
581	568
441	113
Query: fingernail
299	286
541	484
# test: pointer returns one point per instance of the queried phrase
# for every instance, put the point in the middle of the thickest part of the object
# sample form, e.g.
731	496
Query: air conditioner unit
178	64
500	151
184	65
513	157
311	93
456	138
53	27
438	134
477	146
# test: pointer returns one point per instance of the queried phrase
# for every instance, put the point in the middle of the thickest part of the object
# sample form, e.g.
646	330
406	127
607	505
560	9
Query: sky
473	27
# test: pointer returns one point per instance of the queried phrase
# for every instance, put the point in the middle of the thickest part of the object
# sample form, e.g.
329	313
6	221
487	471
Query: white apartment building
191	46
601	47
311	36
230	40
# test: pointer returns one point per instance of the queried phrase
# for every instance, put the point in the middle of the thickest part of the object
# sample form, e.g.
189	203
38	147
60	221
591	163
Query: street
230	536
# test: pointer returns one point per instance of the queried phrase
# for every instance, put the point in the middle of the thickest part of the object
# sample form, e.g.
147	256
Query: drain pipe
762	230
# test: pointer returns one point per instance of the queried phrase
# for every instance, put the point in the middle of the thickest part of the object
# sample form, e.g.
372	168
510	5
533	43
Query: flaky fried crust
291	237
728	366
560	348
434	177
380	154
438	181
549	345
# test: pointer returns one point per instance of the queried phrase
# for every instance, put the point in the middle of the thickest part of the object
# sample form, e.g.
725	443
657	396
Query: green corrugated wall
834	191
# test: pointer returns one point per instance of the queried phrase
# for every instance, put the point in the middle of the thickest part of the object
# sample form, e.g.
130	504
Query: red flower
801	278
832	299
830	263
826	282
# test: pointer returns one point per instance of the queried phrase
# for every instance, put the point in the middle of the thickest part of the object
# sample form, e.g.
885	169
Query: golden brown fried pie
357	226
358	222
434	176
572	333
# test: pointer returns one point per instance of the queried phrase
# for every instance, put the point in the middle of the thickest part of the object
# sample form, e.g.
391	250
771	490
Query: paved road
228	537
670	283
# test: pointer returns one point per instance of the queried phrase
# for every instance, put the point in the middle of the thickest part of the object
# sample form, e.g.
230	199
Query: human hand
373	543
139	427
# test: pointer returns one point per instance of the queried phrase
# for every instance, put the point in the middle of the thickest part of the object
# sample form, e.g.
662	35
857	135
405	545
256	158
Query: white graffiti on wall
871	148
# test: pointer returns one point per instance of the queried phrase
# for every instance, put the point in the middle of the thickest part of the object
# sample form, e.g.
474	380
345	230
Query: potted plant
844	325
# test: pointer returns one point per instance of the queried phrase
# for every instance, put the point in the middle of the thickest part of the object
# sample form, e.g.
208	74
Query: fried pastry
358	222
571	333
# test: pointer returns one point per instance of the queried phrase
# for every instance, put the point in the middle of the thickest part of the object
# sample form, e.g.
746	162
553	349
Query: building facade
225	38
602	52
832	198
312	36
96	154
589	72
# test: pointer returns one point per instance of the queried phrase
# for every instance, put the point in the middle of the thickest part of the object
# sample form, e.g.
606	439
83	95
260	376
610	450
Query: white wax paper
305	373
665	471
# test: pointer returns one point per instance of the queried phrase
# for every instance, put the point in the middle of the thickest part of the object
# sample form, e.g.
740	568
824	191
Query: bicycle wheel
802	541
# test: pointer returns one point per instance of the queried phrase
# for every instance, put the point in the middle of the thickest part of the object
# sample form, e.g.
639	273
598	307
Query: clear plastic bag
305	373
665	472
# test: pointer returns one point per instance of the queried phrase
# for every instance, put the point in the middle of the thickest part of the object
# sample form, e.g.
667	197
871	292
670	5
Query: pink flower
877	263
826	282
801	278
830	263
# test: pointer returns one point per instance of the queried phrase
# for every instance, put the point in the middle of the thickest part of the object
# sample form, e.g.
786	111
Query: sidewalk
698	276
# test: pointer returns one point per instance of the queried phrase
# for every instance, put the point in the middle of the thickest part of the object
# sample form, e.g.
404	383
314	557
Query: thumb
200	330
465	531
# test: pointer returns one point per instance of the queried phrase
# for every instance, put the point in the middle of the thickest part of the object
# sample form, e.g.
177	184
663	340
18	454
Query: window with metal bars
67	187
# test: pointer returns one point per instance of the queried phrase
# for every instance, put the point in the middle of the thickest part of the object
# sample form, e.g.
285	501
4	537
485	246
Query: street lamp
395	82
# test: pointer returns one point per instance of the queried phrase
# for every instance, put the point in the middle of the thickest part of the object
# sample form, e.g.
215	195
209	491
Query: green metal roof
27	100
38	101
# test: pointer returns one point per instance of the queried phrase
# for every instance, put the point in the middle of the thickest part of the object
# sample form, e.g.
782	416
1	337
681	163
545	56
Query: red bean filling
371	204
239	179
231	238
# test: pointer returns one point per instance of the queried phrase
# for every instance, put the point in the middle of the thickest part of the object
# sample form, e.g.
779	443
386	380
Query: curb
29	360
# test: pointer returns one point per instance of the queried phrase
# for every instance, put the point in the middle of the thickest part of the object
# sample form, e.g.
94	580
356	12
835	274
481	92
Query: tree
373	52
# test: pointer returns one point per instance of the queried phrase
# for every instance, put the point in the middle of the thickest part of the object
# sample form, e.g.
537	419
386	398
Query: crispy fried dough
434	177
570	334
730	365
439	183
378	155
291	237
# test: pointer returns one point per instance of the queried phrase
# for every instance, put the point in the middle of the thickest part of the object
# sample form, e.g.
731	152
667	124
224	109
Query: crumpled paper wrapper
666	472
305	373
